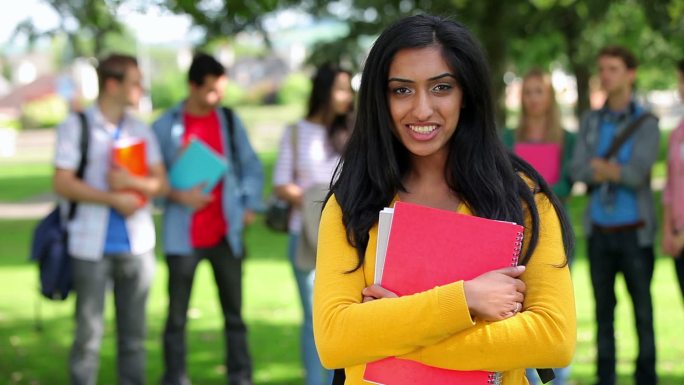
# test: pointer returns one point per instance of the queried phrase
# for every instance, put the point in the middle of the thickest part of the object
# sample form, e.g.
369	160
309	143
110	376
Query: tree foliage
516	34
87	21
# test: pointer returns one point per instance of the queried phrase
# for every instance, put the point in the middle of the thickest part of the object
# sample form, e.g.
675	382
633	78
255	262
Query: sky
155	27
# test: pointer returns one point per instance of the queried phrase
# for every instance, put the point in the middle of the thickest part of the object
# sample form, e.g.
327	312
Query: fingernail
521	267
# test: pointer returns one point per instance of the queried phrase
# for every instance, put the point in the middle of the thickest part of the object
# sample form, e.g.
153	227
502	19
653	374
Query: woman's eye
442	87
401	91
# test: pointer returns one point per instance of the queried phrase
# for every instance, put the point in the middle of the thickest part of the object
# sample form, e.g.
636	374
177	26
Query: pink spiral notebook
429	247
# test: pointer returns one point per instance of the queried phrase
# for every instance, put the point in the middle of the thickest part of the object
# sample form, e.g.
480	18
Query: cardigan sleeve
545	330
349	332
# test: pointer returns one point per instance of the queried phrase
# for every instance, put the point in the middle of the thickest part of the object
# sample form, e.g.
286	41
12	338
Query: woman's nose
422	108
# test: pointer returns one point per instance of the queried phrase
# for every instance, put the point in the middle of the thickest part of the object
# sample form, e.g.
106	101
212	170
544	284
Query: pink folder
429	247
544	157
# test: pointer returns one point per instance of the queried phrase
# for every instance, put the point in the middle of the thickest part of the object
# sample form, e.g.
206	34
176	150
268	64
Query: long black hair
320	99
483	174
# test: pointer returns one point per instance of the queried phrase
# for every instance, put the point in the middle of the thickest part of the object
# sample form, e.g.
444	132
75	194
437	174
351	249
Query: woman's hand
496	295
374	292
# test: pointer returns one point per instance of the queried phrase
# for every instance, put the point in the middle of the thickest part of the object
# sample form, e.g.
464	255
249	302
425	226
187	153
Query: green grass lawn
20	181
271	309
272	312
28	356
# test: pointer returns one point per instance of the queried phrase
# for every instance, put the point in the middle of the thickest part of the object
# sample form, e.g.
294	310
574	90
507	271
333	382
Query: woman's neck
321	118
426	184
535	128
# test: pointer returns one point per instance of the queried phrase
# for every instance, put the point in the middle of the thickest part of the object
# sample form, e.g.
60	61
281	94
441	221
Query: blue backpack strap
85	139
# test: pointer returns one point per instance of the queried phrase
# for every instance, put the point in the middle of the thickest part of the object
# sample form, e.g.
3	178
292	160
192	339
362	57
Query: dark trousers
228	275
679	267
609	254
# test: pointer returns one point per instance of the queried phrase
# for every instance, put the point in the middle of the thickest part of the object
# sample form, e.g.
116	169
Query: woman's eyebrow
444	75
401	80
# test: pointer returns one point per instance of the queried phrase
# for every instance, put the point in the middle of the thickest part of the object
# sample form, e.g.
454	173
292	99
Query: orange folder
130	154
429	247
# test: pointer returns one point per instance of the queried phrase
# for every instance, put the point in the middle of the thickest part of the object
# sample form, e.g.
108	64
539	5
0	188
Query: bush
234	95
295	89
45	112
166	91
10	123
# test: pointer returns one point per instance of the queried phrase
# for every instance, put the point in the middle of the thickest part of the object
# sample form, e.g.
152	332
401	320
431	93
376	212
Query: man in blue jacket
199	225
620	219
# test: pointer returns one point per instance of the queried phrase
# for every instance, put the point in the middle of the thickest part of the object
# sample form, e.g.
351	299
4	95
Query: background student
540	125
112	236
209	226
673	202
620	218
318	141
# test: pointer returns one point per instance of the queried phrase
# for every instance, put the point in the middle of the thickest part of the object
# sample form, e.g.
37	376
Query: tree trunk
98	43
571	28
582	75
494	42
76	46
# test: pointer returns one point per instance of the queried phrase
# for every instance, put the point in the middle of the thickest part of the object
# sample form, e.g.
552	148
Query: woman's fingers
377	292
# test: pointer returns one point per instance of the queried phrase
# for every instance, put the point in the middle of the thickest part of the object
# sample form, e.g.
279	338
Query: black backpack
49	246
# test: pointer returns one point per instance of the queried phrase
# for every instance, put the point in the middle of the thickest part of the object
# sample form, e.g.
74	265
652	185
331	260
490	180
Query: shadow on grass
628	379
19	188
41	357
15	238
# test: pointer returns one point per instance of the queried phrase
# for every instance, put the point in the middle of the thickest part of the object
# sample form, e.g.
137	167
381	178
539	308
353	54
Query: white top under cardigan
316	162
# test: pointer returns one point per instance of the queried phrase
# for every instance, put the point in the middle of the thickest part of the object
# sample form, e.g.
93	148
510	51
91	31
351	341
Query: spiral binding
495	378
517	248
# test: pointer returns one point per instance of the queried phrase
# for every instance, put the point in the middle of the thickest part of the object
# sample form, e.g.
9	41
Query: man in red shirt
200	224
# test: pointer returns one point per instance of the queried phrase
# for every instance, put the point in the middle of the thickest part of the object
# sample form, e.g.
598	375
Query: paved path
38	146
32	146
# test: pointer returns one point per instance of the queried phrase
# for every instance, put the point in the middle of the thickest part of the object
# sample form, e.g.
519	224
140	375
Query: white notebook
384	227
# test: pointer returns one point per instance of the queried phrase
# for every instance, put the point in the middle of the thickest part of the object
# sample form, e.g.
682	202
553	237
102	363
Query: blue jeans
315	373
562	375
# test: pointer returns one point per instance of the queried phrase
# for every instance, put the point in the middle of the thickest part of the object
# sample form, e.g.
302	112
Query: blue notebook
197	164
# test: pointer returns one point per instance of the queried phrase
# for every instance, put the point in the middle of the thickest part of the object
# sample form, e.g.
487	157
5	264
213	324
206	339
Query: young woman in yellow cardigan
425	133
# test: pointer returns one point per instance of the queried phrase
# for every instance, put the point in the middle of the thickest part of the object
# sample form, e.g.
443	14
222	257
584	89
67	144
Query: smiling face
424	99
